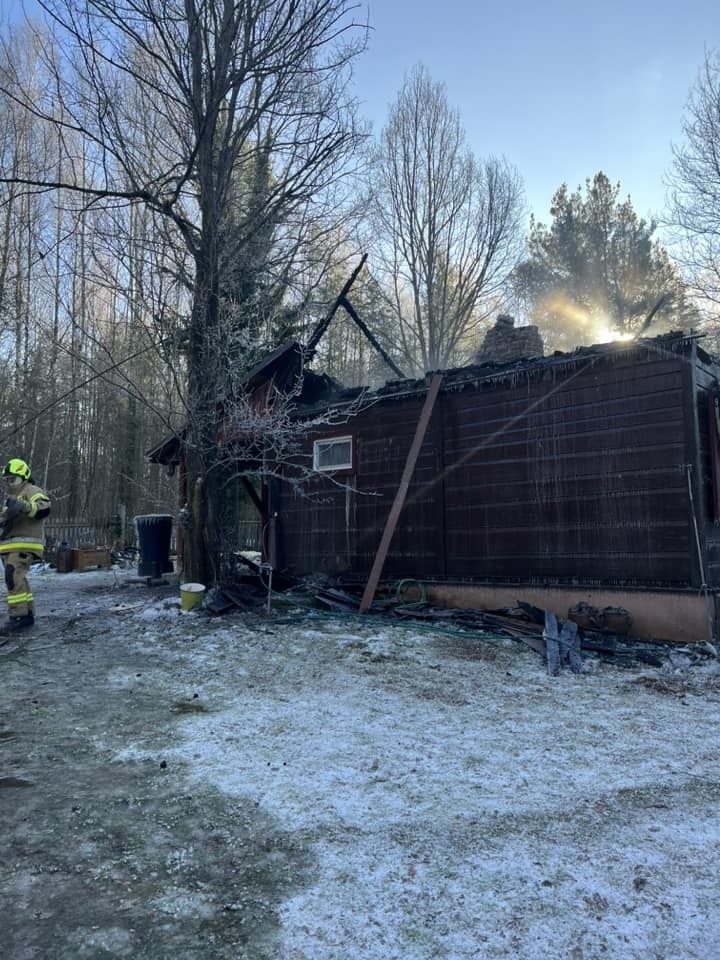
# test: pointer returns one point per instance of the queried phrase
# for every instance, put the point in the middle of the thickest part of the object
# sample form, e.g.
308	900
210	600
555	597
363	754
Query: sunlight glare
606	334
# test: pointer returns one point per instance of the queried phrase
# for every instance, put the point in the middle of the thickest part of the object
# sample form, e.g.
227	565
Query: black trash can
154	535
63	560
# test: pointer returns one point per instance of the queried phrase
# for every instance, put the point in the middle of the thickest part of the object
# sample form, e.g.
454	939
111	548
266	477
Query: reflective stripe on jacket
22	543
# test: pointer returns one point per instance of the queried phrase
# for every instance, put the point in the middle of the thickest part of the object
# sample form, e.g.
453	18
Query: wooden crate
85	557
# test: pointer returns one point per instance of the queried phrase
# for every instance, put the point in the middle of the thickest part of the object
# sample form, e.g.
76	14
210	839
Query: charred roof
491	372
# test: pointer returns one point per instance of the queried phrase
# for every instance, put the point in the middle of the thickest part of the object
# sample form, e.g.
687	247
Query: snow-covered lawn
402	793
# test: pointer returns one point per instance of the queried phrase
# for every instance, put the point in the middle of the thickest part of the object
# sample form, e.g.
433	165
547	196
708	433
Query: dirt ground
178	786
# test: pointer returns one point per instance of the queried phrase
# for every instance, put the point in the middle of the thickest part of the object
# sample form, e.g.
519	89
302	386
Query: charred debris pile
602	634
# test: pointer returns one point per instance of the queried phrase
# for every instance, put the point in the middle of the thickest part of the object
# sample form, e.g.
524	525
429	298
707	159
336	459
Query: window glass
333	454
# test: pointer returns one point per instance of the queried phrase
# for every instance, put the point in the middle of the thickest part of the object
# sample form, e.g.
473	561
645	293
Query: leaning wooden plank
371	586
551	634
570	646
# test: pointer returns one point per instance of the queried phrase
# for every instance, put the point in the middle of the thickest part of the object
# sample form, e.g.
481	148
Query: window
333	454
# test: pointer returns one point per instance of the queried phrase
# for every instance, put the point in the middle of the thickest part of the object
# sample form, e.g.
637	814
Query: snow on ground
450	800
459	802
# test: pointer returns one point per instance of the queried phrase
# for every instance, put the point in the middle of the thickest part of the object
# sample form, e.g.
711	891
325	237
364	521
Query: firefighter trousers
19	598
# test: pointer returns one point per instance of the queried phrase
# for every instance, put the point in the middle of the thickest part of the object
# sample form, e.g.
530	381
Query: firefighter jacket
24	532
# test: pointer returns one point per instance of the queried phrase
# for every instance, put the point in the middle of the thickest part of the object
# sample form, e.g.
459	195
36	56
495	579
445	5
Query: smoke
565	324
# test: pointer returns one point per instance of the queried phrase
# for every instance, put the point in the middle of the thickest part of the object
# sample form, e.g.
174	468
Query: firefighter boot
19	623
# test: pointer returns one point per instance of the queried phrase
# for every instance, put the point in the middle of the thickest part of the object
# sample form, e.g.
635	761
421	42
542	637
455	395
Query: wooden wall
572	471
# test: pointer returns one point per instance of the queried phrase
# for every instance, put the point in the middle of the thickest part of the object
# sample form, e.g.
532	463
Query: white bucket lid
192	587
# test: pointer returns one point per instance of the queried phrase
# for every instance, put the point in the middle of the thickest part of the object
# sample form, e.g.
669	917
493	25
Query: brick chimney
505	342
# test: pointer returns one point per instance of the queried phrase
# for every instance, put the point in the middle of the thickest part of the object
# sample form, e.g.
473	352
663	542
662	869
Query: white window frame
320	445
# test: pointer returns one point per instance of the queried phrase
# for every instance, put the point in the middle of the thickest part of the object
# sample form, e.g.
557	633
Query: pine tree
596	272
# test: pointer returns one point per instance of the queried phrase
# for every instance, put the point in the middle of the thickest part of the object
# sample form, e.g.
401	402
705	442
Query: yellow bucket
191	595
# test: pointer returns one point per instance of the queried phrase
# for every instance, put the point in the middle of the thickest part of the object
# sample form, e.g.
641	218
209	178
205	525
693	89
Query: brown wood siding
573	475
383	445
573	479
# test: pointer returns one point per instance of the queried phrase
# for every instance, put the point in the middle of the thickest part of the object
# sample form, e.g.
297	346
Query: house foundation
683	617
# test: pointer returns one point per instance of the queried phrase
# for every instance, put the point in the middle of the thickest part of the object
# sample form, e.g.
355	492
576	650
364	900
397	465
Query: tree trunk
202	541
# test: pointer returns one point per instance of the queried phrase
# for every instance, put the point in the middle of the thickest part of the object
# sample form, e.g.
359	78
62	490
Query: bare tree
695	183
170	100
446	226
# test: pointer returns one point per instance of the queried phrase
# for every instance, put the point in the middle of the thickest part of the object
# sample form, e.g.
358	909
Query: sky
561	89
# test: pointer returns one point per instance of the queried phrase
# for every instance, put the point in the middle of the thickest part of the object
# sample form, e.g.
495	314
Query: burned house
590	476
584	477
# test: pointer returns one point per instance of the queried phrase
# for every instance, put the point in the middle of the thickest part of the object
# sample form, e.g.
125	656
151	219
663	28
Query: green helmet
17	468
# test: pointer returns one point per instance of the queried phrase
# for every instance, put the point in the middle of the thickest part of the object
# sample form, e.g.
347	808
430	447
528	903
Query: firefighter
21	539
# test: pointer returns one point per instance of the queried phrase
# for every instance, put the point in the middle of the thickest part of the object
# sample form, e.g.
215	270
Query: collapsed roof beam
393	366
649	318
342	301
324	324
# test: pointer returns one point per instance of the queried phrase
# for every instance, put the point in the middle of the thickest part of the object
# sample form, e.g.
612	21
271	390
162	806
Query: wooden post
420	430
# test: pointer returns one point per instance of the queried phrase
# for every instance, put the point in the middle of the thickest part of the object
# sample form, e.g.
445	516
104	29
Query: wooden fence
105	533
80	533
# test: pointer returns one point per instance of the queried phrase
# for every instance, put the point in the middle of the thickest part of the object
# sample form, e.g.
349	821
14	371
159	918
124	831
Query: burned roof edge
508	371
